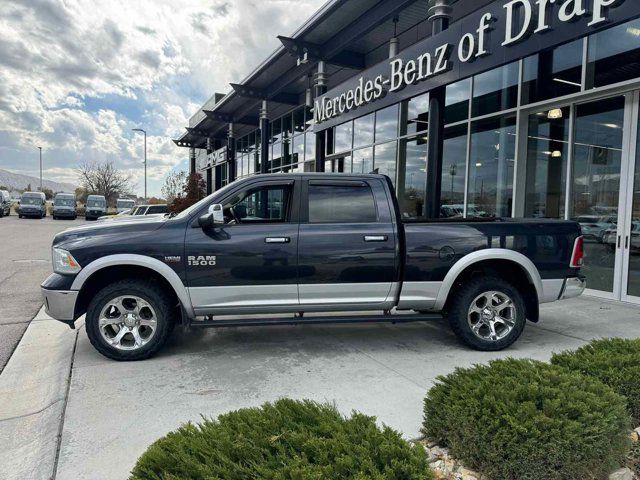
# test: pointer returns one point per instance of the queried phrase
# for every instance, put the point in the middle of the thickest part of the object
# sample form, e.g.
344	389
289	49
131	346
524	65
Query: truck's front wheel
129	320
488	314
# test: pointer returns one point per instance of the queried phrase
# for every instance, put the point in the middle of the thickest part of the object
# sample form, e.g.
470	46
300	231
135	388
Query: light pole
145	160
40	149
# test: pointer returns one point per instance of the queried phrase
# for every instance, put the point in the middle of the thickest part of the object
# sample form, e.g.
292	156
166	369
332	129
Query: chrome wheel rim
492	316
127	322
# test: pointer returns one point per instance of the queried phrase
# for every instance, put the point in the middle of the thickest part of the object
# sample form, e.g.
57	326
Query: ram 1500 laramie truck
309	248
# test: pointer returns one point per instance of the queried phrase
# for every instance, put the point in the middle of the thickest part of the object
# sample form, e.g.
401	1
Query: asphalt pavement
25	262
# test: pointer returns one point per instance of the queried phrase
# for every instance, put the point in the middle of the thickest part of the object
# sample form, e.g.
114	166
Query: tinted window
157	209
341	204
269	203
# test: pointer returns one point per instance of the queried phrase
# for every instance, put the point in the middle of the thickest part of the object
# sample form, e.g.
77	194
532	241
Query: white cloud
77	75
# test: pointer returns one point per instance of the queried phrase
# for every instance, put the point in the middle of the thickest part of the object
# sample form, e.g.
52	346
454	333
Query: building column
192	160
231	154
439	15
320	87
264	138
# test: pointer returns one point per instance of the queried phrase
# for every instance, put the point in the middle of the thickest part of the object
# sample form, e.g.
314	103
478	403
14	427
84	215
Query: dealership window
495	90
457	101
384	159
454	168
363	130
387	123
491	167
417	115
553	73
343	137
341	204
547	155
276	130
412	181
362	161
614	55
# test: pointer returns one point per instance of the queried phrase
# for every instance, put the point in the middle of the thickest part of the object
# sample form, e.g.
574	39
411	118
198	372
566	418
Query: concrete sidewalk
115	410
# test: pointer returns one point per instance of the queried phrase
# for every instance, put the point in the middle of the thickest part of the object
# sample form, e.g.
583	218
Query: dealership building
473	108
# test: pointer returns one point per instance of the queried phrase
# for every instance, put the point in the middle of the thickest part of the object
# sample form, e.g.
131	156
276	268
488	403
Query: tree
194	190
174	185
48	193
82	194
104	179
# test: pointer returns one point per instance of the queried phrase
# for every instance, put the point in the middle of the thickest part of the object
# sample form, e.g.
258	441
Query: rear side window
157	209
341	204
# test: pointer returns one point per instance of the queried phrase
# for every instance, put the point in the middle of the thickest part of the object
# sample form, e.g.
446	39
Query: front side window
341	204
267	203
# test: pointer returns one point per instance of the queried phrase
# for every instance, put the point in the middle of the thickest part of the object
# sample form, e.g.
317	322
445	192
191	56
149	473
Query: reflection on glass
343	137
310	146
363	131
276	130
491	167
338	165
417	115
298	120
362	161
385	160
552	73
614	55
596	184
276	156
412	182
454	162
633	287
547	154
457	101
387	123
495	90
298	149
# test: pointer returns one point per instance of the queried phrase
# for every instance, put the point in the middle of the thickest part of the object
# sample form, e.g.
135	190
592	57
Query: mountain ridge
18	181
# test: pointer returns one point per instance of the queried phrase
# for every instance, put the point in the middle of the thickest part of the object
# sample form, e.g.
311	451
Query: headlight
63	262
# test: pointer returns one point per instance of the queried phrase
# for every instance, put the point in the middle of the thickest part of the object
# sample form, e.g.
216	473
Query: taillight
577	257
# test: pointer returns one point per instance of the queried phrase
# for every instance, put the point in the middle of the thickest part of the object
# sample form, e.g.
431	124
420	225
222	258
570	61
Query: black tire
459	314
151	293
19	216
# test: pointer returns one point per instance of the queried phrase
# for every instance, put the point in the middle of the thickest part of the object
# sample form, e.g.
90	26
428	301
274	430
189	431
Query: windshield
95	203
64	202
31	201
125	203
196	206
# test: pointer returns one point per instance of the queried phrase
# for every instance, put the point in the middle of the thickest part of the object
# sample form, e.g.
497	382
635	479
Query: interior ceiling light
555	114
556	154
567	82
611	125
633	31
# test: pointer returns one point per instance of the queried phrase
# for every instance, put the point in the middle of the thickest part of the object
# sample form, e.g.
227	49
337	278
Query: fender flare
488	254
141	261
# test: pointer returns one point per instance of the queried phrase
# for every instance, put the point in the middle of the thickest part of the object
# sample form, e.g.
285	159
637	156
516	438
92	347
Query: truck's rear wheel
488	314
130	320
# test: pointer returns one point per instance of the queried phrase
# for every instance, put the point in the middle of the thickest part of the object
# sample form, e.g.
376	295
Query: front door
348	246
251	261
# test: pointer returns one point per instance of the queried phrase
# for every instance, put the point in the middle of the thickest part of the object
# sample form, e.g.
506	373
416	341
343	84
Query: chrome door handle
375	238
277	240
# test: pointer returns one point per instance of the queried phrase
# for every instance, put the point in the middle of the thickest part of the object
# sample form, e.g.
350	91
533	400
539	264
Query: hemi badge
172	259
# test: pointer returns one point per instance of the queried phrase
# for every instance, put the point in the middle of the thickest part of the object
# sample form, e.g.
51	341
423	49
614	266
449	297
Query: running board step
254	322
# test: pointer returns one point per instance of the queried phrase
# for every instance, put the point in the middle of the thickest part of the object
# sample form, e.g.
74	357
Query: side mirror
213	217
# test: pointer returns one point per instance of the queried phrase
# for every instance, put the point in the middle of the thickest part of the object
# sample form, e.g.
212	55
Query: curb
33	393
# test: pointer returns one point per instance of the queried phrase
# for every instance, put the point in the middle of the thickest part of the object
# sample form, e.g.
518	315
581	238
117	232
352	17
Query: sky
76	76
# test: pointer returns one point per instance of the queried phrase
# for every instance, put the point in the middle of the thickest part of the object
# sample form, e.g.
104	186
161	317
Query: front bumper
64	213
60	304
573	287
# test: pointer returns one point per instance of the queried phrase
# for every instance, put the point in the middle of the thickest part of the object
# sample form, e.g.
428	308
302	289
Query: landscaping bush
615	362
527	420
297	440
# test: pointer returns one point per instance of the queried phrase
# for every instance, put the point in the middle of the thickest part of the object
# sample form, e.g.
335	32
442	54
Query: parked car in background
594	227
96	207
151	210
123	204
32	204
5	203
139	212
610	238
64	206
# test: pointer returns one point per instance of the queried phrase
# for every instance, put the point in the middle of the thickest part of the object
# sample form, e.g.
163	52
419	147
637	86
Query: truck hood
108	230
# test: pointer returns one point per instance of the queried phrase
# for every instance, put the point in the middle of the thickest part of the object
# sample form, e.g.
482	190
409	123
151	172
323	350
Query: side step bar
298	320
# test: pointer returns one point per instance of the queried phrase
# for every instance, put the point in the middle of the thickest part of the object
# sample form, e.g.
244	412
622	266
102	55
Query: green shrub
615	362
634	459
284	440
521	419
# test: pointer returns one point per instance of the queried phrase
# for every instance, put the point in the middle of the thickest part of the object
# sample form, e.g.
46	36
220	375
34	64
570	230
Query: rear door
348	248
251	261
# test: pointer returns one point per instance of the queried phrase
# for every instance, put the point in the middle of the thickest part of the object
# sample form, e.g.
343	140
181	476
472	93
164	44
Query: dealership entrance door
582	163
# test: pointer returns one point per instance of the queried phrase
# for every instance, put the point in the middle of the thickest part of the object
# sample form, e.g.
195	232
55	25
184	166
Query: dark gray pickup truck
307	246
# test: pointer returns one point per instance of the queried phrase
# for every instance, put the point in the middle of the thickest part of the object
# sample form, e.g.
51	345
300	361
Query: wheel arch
496	259
127	266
